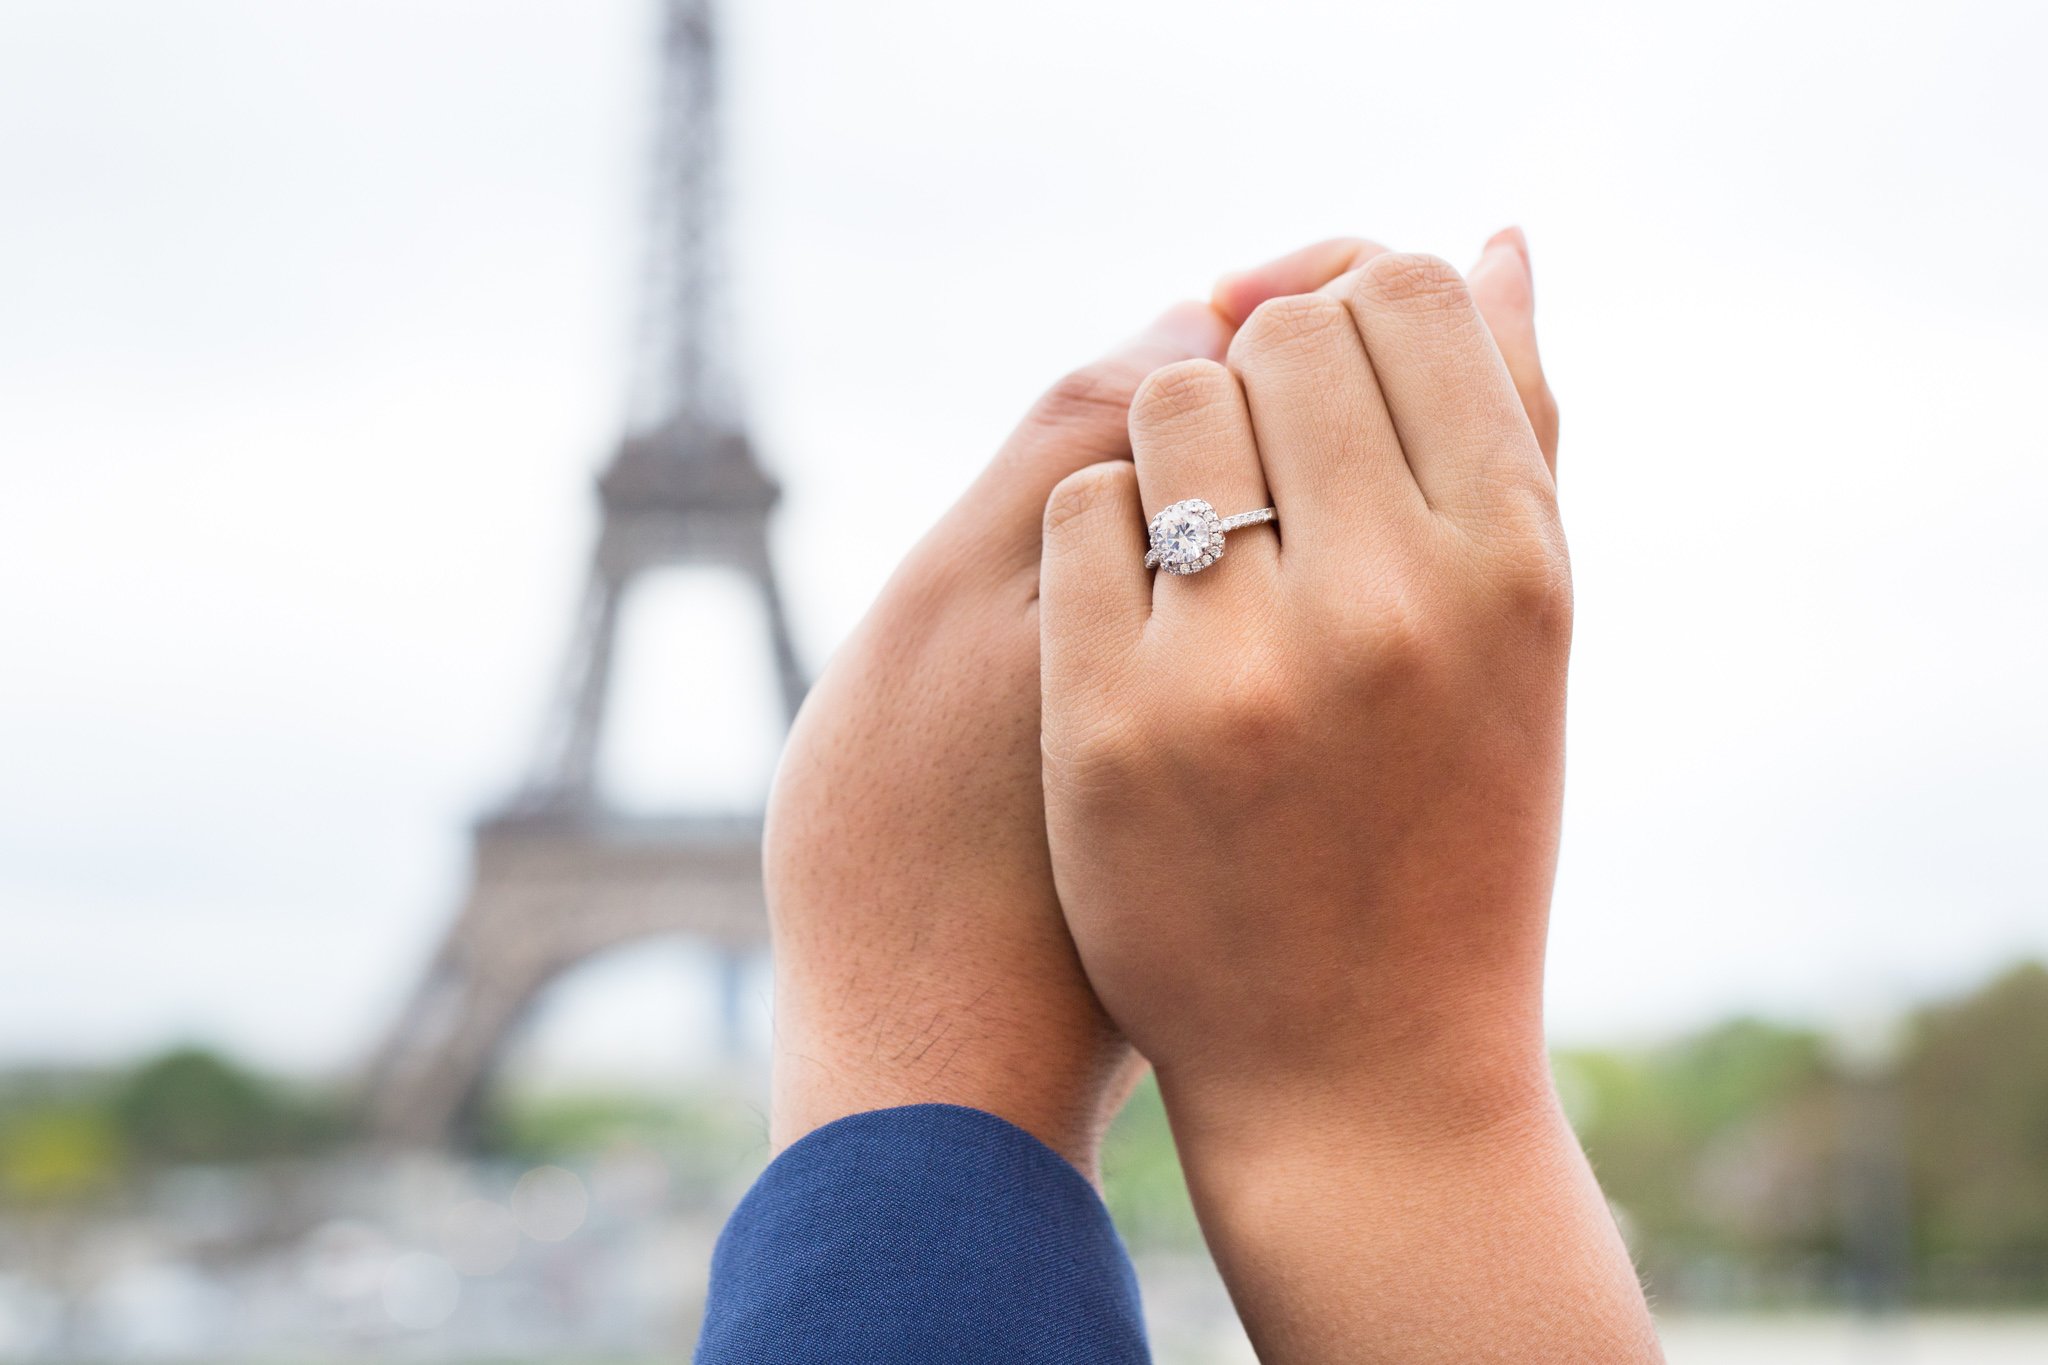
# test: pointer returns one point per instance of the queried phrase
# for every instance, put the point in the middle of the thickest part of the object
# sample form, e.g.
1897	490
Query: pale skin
924	953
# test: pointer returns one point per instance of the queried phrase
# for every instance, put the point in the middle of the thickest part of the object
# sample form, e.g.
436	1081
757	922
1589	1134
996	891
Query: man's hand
1304	814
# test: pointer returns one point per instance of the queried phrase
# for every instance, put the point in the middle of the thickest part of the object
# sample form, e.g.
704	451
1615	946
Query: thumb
1083	419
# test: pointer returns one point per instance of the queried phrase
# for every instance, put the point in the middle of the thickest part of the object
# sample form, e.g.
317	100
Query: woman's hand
1303	809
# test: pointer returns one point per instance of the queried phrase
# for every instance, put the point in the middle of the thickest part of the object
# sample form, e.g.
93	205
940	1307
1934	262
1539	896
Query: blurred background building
561	875
310	336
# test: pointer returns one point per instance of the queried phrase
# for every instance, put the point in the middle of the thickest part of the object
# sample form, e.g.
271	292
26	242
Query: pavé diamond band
1188	536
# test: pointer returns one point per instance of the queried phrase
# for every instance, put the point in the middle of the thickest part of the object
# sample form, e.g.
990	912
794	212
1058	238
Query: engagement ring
1188	536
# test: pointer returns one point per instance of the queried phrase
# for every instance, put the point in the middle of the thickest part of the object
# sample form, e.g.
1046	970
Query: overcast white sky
313	323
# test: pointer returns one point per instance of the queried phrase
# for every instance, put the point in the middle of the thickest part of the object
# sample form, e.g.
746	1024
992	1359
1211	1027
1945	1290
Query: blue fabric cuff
923	1234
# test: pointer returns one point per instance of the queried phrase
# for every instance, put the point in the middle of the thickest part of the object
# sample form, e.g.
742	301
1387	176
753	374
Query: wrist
1467	1101
1415	1226
1414	1070
1059	1074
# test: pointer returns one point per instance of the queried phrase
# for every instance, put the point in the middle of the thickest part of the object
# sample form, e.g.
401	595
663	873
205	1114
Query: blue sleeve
930	1233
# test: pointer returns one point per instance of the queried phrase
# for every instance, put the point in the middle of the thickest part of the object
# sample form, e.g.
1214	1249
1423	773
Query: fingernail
1224	297
1237	293
1239	277
1513	238
1193	329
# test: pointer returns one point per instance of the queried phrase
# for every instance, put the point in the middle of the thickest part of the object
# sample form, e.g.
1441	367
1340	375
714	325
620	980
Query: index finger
1298	272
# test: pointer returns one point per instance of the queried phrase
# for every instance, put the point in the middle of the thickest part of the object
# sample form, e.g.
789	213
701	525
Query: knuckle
1539	594
1384	634
1409	279
1093	393
1533	572
1178	391
1083	492
1256	703
1399	639
1292	320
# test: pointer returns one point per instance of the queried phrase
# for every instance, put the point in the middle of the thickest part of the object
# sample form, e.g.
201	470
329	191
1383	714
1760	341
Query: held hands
920	952
1302	807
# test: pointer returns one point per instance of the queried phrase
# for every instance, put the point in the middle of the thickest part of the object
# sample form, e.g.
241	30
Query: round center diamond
1181	536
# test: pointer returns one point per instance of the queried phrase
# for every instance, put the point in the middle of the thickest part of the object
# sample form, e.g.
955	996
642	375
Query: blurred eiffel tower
558	876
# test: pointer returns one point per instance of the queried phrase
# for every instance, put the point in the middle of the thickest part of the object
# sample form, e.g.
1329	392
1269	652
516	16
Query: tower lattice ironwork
558	875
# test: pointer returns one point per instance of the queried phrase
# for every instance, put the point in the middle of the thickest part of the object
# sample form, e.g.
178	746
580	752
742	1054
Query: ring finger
1191	435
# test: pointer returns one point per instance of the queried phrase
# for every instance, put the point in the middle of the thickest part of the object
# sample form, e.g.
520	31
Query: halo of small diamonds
1187	537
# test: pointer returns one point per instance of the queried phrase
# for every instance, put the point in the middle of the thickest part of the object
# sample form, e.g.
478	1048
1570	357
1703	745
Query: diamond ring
1188	536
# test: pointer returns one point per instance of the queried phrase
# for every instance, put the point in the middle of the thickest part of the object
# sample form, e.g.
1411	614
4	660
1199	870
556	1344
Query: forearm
1389	1226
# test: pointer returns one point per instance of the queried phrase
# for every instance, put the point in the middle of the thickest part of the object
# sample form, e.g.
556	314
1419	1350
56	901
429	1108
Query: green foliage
544	1126
193	1105
1975	1090
1141	1176
1707	1144
1749	1146
66	1139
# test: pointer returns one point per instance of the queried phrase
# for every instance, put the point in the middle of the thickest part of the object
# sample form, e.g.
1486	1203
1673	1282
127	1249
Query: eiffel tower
558	875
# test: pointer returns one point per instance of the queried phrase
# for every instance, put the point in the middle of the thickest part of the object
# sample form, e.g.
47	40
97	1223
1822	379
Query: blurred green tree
1975	1085
194	1105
